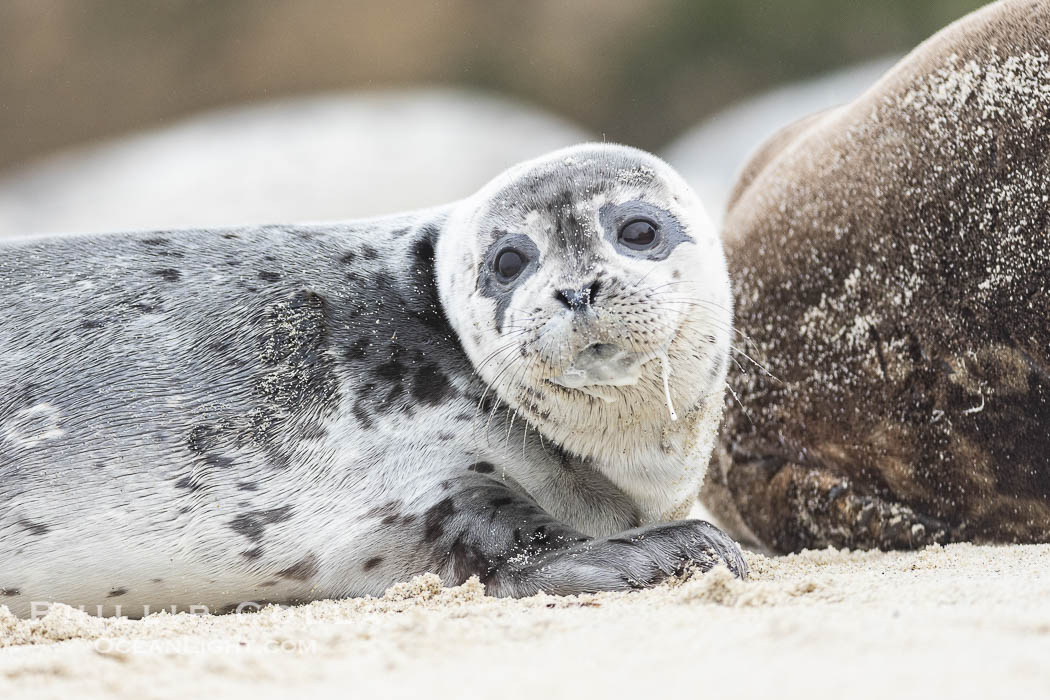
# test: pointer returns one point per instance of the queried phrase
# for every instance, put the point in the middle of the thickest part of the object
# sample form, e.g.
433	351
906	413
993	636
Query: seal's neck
655	457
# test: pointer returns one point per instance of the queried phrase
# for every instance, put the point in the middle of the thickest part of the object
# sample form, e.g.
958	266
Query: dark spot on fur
230	236
116	592
348	257
431	386
168	274
267	584
253	553
395	392
218	461
302	570
391	371
34	528
294	347
358	350
372	563
267	276
93	324
10	592
259	424
435	518
369	253
361	414
188	482
253	524
204	437
468	560
158	241
501	501
156	580
482	468
391	513
247	486
388	508
425	307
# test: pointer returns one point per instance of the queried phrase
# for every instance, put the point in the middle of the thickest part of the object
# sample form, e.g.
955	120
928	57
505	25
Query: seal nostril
593	292
578	298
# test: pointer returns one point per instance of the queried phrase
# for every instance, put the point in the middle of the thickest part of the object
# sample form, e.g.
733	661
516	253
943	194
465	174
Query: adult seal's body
892	266
293	413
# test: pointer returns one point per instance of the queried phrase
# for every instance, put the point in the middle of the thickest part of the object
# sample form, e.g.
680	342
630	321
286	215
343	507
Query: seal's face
589	277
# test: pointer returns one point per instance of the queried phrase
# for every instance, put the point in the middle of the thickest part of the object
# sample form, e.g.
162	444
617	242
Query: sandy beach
962	621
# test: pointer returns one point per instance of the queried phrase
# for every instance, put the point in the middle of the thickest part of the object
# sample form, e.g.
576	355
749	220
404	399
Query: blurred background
244	110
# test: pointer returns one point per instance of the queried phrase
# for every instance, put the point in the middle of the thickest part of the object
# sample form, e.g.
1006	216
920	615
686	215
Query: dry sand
962	620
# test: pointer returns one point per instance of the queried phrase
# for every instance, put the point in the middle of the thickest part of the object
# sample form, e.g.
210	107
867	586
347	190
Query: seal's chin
603	364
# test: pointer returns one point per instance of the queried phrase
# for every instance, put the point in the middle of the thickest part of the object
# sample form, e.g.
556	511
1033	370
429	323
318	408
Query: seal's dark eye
638	234
509	264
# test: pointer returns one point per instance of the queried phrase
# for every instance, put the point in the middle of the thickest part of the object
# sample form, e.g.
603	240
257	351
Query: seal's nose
581	298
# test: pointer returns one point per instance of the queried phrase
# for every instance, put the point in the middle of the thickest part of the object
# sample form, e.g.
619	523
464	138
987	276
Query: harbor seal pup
891	263
522	386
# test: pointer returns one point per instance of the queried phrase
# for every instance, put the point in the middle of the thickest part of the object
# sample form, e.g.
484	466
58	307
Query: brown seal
891	264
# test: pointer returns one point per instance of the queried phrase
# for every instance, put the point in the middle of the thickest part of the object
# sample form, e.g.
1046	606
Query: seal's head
590	291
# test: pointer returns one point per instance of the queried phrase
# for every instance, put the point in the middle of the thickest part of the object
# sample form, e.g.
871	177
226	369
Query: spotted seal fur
891	263
522	386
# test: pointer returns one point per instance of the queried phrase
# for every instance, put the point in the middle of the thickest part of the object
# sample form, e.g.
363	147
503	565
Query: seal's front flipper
634	559
517	549
794	507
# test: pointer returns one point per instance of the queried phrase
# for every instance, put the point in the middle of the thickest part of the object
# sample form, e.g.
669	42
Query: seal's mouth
604	364
600	366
